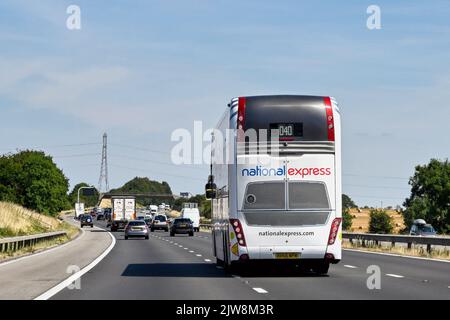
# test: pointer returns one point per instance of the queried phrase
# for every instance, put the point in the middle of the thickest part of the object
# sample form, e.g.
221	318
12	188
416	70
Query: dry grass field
362	217
16	221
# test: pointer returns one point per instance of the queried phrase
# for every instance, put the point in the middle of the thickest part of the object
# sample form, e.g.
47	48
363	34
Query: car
160	222
183	226
136	228
107	213
421	228
140	218
101	216
86	220
148	221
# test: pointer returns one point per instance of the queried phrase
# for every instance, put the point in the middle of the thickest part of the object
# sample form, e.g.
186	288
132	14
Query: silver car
136	228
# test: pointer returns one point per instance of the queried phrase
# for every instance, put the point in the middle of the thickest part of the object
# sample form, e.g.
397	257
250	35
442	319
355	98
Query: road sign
79	209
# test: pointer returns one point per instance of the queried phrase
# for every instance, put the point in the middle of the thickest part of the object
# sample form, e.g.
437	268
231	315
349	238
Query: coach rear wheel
321	268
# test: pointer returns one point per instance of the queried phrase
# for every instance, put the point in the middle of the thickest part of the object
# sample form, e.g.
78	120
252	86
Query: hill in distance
145	185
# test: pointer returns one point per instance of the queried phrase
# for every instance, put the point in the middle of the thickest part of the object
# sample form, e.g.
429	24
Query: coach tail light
237	227
334	230
330	118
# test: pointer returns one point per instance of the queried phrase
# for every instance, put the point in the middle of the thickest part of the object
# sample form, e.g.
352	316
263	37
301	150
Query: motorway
183	268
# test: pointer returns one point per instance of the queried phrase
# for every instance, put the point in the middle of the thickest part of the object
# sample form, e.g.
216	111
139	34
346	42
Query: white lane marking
260	290
61	286
350	266
396	255
186	248
198	255
190	251
394	275
207	260
180	246
45	251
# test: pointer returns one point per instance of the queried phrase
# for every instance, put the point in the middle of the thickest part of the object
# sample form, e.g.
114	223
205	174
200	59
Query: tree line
32	179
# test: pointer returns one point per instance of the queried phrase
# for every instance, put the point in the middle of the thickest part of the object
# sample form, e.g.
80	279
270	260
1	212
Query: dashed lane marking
260	290
394	275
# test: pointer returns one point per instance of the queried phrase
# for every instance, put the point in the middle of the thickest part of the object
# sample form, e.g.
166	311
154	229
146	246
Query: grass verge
415	251
18	221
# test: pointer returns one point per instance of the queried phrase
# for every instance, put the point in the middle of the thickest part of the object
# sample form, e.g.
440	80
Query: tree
380	221
347	218
32	179
88	200
430	195
145	185
204	205
347	202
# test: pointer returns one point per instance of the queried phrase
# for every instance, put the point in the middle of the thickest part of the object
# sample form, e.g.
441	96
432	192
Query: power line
373	197
138	148
77	155
156	162
368	176
54	146
375	187
159	172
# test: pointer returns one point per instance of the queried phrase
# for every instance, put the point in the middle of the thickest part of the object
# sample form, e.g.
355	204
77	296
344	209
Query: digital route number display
287	130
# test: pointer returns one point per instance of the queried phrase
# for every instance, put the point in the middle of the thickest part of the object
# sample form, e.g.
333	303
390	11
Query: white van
190	211
153	209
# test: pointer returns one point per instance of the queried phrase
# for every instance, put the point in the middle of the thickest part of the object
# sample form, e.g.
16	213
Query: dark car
86	220
148	221
107	213
182	226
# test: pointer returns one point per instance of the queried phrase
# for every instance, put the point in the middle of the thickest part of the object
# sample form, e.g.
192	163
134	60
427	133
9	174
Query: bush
347	219
380	221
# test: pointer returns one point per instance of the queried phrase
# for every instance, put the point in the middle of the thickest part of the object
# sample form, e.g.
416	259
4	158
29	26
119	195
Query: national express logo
260	171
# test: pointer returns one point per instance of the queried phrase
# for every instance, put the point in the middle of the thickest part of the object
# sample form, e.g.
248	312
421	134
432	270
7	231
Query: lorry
123	210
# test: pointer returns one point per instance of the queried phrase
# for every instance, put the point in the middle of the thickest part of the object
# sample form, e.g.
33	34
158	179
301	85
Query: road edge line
397	255
62	285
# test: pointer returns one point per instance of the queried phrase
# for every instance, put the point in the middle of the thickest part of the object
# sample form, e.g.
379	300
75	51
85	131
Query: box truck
123	210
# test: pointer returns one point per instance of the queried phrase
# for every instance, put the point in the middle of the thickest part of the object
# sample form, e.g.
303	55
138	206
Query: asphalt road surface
183	267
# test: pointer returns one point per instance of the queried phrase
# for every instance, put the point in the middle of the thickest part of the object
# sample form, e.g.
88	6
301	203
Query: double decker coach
282	204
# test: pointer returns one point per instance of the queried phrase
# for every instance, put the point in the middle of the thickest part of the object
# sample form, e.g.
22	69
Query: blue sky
140	69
